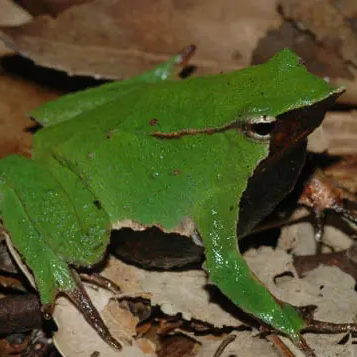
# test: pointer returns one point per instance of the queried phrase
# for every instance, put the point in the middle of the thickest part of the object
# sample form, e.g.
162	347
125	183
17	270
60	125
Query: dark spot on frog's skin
97	204
176	172
109	134
231	208
95	354
322	286
153	121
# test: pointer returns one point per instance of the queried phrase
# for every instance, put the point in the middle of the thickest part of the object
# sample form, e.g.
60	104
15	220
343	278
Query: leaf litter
128	38
185	293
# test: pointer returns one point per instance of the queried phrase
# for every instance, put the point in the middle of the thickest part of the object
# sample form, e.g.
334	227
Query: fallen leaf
331	22
116	39
186	293
337	134
11	14
18	97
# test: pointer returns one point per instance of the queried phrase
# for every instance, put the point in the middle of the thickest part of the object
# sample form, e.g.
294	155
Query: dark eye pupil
262	129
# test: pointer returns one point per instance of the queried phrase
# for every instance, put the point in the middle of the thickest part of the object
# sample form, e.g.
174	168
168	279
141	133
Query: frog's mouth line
293	127
258	128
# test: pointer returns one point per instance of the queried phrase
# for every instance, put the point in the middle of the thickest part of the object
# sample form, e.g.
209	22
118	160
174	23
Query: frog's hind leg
312	325
49	234
229	271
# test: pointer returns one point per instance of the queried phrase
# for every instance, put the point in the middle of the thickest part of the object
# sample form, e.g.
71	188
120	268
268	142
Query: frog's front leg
229	271
53	231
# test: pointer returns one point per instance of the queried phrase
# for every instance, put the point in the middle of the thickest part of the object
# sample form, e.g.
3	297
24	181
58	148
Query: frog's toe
82	301
101	281
313	325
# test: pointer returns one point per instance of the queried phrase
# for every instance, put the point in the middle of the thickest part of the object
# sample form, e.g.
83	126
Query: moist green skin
122	152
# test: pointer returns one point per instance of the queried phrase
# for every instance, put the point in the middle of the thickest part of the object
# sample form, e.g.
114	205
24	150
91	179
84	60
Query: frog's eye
260	128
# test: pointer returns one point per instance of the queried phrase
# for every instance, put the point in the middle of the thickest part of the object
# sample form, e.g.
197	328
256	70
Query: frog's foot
82	301
312	325
271	334
101	281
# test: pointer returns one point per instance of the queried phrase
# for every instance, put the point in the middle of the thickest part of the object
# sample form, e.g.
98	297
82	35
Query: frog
207	156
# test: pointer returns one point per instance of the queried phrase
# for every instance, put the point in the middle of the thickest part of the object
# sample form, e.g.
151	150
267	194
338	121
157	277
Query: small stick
229	339
280	345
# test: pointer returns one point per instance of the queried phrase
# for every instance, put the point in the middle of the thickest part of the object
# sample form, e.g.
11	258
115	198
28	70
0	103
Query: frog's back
149	152
154	180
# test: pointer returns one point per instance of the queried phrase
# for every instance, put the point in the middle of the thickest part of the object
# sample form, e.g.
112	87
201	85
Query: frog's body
164	153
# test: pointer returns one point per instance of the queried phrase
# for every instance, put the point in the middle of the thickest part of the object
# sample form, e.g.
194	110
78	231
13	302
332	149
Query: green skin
60	207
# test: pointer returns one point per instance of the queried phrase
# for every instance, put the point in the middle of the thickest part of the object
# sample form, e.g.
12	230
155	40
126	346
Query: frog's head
276	175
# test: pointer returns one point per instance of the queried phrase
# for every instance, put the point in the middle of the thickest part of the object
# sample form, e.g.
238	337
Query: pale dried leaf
245	345
337	134
116	39
299	238
185	293
174	291
327	287
76	338
11	15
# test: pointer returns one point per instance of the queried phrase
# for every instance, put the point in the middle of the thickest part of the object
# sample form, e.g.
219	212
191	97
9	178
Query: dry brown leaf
324	34
52	7
331	22
116	39
11	15
17	98
337	135
344	173
319	59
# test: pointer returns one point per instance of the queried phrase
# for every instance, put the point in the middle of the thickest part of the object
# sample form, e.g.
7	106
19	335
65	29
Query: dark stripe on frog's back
273	88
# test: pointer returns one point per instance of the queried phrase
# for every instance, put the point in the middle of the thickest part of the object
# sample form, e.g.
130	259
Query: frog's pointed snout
293	127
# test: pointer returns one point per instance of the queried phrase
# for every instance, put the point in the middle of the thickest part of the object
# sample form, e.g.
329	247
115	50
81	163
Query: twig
229	339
